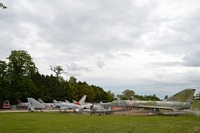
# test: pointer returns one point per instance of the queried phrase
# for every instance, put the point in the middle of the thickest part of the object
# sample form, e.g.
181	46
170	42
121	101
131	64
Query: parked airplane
22	104
177	102
34	104
81	101
67	105
97	108
47	105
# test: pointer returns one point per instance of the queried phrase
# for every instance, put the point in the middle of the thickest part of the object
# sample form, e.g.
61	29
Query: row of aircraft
77	106
179	101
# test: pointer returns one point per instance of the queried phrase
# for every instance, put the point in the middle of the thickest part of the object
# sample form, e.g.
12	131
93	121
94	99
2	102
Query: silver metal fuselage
150	104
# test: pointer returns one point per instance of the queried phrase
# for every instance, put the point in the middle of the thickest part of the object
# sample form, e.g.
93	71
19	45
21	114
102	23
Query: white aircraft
22	104
97	108
67	105
34	104
81	101
47	105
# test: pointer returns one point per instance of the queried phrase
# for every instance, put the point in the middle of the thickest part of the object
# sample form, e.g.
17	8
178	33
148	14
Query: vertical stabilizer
185	95
34	104
40	100
19	101
81	101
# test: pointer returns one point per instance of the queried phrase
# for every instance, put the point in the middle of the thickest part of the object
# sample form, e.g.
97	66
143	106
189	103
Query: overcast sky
149	46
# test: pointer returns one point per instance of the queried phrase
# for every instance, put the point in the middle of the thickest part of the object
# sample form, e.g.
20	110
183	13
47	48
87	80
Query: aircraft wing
104	111
99	111
65	107
156	107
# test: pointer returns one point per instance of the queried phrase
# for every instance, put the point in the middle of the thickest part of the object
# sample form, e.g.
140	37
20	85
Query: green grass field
55	122
196	104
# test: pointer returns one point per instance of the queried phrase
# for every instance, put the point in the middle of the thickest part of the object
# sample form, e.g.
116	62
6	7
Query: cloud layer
151	47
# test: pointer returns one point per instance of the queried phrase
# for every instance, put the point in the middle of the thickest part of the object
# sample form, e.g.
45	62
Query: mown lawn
54	122
196	104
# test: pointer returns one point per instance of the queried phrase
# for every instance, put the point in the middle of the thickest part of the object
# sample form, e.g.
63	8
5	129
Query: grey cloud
101	27
82	31
75	67
73	74
74	27
179	34
125	54
100	64
166	63
192	59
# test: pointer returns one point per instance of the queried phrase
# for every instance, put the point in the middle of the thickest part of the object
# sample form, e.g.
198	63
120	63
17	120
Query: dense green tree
85	89
130	95
20	64
58	70
19	78
1	5
4	82
147	98
20	69
100	94
126	94
122	97
166	96
73	88
41	84
111	96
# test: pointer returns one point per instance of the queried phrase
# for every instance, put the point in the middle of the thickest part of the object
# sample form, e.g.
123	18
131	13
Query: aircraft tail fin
40	100
185	95
74	101
81	101
34	104
55	101
19	101
67	101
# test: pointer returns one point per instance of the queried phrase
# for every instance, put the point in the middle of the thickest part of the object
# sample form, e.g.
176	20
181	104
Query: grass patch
54	122
196	104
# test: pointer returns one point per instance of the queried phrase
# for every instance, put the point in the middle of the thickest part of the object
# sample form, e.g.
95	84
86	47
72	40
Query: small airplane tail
32	104
40	100
74	101
185	95
19	101
81	101
55	101
67	101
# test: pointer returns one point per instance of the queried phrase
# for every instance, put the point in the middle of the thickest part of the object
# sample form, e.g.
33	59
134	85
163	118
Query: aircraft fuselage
158	104
150	104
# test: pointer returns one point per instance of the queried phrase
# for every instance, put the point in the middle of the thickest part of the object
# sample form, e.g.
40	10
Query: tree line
20	78
130	95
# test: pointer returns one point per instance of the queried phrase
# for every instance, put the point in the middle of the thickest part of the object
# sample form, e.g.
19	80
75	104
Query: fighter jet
47	105
67	105
97	108
34	104
81	101
21	104
177	102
